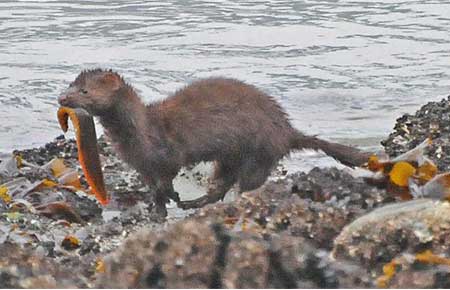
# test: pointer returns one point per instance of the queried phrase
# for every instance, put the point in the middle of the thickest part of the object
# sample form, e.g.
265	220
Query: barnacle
417	154
87	148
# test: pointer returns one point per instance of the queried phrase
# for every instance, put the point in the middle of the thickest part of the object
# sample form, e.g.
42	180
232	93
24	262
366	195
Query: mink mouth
66	102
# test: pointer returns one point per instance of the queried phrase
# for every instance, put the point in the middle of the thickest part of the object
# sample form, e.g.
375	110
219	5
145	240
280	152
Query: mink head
96	91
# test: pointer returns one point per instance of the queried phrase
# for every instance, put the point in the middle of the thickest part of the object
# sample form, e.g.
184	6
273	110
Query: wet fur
242	129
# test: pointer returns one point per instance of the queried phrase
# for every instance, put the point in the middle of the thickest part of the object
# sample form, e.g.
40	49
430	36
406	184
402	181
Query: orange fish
87	148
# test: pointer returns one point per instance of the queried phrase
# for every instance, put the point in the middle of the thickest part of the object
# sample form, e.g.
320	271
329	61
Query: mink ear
111	79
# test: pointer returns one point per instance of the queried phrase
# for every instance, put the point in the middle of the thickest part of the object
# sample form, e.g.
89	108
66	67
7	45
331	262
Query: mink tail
347	155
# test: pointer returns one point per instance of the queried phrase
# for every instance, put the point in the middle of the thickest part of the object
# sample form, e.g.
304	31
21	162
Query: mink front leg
159	210
163	192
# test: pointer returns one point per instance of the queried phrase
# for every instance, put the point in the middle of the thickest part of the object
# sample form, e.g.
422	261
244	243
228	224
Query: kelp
61	210
64	175
70	242
389	271
404	174
437	188
4	194
426	257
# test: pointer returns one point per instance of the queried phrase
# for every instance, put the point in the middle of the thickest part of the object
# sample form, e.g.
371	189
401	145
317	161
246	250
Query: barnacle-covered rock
270	237
431	120
279	235
407	227
315	205
183	257
198	254
20	268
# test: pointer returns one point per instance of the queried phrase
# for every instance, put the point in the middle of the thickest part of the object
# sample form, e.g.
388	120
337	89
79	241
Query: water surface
342	69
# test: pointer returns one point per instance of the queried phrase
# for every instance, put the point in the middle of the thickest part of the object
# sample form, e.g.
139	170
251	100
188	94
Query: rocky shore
326	228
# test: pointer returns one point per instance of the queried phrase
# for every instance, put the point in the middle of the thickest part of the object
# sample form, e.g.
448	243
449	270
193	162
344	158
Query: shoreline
324	228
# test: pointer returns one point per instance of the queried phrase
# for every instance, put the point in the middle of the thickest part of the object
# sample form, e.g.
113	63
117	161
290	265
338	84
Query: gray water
344	70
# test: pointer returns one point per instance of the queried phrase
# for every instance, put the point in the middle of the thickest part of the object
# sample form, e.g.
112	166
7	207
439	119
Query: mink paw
174	196
158	214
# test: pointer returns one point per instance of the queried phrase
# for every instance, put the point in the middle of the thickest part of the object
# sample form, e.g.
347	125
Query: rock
196	254
322	229
278	205
277	236
20	268
427	277
270	237
408	227
295	263
183	257
247	264
431	120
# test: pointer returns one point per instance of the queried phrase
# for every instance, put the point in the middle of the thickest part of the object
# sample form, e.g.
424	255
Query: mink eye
83	91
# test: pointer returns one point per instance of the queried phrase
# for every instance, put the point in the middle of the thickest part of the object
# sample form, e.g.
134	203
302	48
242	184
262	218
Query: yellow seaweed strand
389	271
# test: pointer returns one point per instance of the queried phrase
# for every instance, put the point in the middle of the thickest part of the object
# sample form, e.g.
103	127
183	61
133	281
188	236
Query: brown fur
243	130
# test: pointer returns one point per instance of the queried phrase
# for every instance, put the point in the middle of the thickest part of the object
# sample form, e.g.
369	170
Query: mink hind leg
250	174
225	175
255	171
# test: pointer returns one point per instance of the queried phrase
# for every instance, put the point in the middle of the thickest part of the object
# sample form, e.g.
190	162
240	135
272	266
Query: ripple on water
358	64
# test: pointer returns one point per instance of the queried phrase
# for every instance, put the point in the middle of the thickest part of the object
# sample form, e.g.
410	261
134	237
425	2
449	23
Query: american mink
239	127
